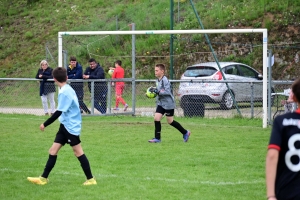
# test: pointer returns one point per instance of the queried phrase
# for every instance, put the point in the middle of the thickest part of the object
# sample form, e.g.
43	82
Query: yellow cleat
91	181
38	180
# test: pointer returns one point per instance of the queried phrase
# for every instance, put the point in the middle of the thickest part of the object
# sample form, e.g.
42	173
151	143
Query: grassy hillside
27	28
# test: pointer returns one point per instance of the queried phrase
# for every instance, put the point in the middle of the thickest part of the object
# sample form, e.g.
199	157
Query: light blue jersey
69	106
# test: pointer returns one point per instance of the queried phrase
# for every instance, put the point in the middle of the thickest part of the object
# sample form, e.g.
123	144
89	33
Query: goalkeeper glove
153	90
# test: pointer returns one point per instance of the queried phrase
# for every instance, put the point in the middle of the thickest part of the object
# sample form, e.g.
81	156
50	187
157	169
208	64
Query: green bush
36	41
257	25
12	11
31	1
28	35
268	24
230	57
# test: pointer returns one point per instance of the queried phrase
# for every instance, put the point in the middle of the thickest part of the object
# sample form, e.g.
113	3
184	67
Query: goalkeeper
165	105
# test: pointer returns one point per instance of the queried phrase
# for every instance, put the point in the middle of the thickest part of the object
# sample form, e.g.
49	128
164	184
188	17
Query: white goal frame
169	32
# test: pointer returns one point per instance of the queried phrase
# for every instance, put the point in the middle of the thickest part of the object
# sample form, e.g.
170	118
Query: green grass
27	28
224	159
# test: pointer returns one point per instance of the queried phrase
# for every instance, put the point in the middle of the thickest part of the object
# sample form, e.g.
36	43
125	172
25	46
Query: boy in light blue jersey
69	106
69	115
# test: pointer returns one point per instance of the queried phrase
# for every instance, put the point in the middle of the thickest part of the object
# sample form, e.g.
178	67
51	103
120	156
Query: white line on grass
149	178
207	125
15	118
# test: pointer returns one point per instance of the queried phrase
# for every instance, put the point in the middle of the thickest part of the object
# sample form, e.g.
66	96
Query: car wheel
227	102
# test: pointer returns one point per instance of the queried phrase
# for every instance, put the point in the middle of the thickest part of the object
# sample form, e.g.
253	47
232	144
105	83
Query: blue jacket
46	86
97	73
75	73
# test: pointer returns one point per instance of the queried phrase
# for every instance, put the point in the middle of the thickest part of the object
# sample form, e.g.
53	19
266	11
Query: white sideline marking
38	119
149	178
15	118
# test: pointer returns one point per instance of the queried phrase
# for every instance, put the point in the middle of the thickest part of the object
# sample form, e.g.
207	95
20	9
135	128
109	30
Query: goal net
105	47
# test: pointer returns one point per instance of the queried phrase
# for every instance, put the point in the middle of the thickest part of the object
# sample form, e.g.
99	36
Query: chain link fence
280	94
22	96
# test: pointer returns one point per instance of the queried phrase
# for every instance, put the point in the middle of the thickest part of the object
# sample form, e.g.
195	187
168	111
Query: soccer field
224	159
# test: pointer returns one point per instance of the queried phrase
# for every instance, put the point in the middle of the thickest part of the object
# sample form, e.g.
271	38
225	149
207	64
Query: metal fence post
252	99
133	69
269	85
92	96
65	55
109	95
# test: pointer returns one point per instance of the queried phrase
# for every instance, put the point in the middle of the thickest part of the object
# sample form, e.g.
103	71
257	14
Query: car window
247	72
199	71
232	70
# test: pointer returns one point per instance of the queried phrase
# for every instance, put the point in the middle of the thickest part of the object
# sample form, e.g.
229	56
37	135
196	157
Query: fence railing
193	98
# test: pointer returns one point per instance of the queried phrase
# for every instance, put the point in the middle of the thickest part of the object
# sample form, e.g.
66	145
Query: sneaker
186	136
154	140
125	107
116	108
38	180
91	181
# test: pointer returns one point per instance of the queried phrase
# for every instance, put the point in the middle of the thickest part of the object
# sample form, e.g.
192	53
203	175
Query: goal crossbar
157	32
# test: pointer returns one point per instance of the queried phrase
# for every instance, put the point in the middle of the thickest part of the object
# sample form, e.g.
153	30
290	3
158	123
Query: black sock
178	127
49	165
85	166
157	129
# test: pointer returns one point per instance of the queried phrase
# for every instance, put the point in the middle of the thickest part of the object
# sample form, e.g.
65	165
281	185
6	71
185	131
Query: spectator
95	71
74	71
69	130
47	88
282	160
289	104
119	73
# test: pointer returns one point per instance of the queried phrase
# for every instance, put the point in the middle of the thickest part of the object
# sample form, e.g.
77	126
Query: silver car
193	95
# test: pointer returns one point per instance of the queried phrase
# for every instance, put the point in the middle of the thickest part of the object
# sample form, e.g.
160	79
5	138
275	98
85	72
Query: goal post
169	32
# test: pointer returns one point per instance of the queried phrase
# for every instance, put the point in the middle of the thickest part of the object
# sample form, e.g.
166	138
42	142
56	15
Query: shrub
31	1
28	35
268	24
11	12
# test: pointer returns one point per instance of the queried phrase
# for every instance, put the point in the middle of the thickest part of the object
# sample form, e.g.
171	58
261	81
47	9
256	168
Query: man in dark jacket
95	71
74	71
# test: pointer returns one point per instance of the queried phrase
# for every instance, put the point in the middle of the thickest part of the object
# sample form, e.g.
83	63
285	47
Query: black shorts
161	110
63	137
